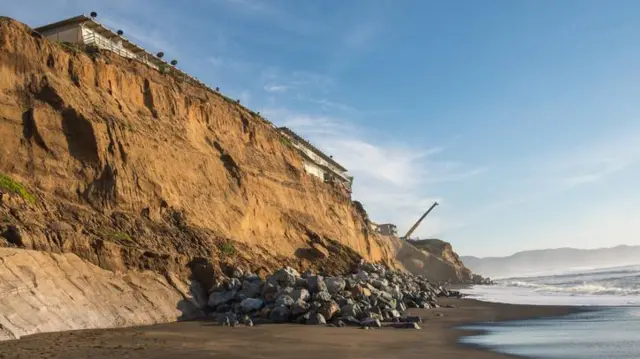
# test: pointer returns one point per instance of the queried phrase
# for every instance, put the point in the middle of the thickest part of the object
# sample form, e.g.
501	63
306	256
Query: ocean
610	328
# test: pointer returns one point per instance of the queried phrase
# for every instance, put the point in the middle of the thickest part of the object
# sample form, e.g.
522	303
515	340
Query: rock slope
41	292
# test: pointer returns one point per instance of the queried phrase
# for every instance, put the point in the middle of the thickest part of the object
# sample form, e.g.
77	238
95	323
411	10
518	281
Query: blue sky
521	117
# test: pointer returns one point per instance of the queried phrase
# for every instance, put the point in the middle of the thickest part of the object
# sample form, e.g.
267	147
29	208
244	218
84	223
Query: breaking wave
608	281
584	288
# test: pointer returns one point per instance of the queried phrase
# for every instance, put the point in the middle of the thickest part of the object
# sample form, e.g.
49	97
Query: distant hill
546	260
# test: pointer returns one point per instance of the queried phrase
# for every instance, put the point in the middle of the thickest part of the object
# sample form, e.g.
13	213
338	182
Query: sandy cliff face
442	256
131	168
121	183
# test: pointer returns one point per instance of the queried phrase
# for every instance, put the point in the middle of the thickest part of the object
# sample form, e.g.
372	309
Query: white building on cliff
316	162
85	30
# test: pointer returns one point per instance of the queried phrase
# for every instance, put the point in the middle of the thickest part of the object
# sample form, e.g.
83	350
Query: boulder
371	322
316	319
251	304
279	315
315	283
406	325
284	301
329	309
322	296
352	310
299	307
301	294
360	291
218	298
286	276
335	284
411	319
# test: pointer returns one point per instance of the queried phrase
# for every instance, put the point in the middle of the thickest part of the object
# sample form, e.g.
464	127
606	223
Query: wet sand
203	339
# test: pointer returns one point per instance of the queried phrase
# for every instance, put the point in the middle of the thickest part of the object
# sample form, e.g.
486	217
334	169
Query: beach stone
371	322
299	307
286	276
249	290
342	301
301	294
360	291
285	291
335	284
270	287
315	305
411	319
352	310
301	283
284	301
264	312
351	321
279	315
406	326
316	319
322	296
379	283
251	304
227	319
316	284
329	309
218	298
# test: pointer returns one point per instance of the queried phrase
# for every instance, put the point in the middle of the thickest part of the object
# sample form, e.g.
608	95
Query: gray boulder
251	304
286	276
284	301
299	307
351	310
315	283
316	319
218	298
335	284
279	315
300	294
322	296
371	322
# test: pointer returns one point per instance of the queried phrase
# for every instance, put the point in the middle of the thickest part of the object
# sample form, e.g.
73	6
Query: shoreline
203	339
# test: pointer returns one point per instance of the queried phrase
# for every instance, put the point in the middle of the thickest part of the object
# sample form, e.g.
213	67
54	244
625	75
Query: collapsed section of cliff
431	255
130	168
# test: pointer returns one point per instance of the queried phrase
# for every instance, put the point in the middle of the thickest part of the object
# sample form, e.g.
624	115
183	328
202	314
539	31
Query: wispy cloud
276	88
392	179
153	38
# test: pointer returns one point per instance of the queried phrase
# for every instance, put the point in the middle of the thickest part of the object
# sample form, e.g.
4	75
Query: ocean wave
577	289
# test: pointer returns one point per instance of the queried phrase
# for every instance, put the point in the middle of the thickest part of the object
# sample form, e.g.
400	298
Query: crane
413	228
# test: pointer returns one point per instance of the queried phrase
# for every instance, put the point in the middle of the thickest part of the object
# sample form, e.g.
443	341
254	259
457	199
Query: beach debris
373	296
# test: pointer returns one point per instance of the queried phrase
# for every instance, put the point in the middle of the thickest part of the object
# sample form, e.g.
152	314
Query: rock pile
372	297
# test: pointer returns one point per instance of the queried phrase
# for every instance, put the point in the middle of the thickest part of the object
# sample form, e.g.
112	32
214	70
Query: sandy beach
203	339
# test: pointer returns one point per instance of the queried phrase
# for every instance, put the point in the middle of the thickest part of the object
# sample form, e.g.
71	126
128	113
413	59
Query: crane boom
413	228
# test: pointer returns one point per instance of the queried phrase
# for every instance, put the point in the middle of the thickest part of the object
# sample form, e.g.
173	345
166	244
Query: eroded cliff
131	168
141	181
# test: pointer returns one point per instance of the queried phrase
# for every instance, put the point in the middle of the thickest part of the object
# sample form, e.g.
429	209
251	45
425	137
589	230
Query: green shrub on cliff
121	236
9	185
227	248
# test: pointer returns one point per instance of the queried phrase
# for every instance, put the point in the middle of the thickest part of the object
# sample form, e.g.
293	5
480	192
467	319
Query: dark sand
193	340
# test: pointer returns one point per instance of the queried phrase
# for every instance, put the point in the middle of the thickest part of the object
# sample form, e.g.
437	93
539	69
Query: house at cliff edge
85	30
317	163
